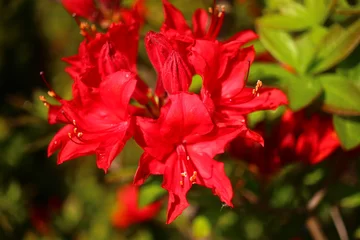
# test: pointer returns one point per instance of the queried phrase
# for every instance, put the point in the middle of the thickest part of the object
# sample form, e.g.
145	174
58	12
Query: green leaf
269	73
341	96
336	46
314	176
282	196
348	131
276	4
319	10
255	117
280	44
201	227
196	83
302	92
150	193
288	23
352	201
307	44
352	74
292	16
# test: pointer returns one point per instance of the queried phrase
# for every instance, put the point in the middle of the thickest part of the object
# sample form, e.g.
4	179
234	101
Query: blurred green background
75	200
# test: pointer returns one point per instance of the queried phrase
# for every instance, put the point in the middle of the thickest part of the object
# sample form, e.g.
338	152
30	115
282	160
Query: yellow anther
51	93
42	98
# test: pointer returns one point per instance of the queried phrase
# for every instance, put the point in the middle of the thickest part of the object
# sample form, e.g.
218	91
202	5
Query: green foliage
347	129
315	50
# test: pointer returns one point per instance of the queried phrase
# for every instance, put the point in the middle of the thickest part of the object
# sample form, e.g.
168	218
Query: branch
339	222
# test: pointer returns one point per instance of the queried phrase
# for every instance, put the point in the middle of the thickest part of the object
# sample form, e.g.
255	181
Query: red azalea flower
104	54
41	214
203	26
128	212
224	71
181	145
105	12
296	138
101	126
224	74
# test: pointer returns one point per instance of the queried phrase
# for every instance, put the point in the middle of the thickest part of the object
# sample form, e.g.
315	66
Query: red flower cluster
127	209
104	12
296	138
181	132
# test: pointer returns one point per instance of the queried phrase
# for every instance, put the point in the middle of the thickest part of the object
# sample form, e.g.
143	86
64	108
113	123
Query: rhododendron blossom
180	132
128	211
105	12
296	138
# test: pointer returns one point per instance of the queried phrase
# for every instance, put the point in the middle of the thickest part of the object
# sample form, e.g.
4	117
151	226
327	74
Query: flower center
187	168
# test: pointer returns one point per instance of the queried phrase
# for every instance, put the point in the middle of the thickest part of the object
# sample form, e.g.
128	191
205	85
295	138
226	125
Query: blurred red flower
127	209
296	138
105	12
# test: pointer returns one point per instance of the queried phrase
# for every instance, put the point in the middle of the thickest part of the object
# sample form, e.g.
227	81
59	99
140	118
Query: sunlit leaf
302	92
348	130
280	44
150	193
352	201
341	96
269	73
307	45
319	9
196	83
336	46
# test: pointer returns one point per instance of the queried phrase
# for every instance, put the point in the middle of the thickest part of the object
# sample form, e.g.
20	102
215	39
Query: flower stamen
45	102
257	88
193	177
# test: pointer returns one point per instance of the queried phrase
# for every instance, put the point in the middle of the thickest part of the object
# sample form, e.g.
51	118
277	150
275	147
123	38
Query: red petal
82	8
148	136
128	46
215	142
53	114
116	92
177	190
212	175
176	76
241	38
158	50
59	140
111	147
73	150
186	116
246	102
128	212
148	165
327	145
176	205
110	60
317	140
174	19
200	22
